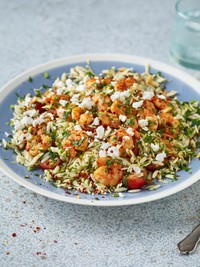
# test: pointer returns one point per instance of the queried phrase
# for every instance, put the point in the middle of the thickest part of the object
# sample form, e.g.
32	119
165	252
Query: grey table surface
52	233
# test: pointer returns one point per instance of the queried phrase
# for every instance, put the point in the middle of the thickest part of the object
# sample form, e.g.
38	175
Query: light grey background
33	32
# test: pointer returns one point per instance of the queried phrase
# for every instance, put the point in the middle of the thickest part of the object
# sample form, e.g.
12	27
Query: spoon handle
189	243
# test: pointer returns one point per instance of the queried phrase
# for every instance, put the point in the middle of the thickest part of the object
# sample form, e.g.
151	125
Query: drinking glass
185	41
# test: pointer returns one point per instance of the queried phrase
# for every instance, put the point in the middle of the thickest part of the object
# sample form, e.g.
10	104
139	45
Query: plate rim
124	58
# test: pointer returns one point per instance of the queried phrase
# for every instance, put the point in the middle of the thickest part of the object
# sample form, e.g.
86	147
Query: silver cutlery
190	242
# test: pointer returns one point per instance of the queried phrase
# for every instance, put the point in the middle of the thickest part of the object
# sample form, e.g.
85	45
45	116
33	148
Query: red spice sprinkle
23	225
38	228
38	253
7	252
14	234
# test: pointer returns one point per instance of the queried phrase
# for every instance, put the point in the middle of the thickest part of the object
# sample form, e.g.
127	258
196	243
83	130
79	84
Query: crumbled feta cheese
59	84
161	96
7	134
38	121
60	90
20	124
87	103
137	169
27	136
63	102
96	121
122	118
74	99
130	131
100	132
27	100
148	95
60	111
77	128
31	113
104	146
89	133
155	147
120	95
69	84
160	157
80	88
102	153
137	104
113	151
143	123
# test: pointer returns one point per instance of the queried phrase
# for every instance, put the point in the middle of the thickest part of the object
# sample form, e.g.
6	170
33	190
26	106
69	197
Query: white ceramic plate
187	87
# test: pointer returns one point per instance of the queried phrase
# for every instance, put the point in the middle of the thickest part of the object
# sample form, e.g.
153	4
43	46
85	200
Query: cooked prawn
108	119
77	139
118	108
109	175
160	103
123	139
103	102
85	119
76	113
37	143
124	83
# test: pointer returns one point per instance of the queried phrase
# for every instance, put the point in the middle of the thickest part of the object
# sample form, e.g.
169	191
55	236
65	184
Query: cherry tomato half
133	181
39	106
50	164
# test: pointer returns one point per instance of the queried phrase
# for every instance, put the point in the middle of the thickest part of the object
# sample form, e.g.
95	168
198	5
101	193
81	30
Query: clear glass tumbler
185	41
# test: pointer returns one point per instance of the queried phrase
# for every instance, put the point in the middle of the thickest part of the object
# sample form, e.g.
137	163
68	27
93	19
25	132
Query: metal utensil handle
188	244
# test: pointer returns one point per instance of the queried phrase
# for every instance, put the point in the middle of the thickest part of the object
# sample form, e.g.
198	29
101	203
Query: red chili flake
14	234
7	252
38	253
38	228
68	193
23	225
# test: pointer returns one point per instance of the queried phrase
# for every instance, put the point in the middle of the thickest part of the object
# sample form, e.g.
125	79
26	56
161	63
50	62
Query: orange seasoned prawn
151	117
109	175
147	104
122	138
108	119
86	119
37	143
152	120
76	141
103	102
124	83
100	81
118	108
160	103
76	113
168	119
83	118
170	124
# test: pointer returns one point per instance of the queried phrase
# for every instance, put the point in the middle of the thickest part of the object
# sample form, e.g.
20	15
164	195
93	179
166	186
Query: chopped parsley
46	75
